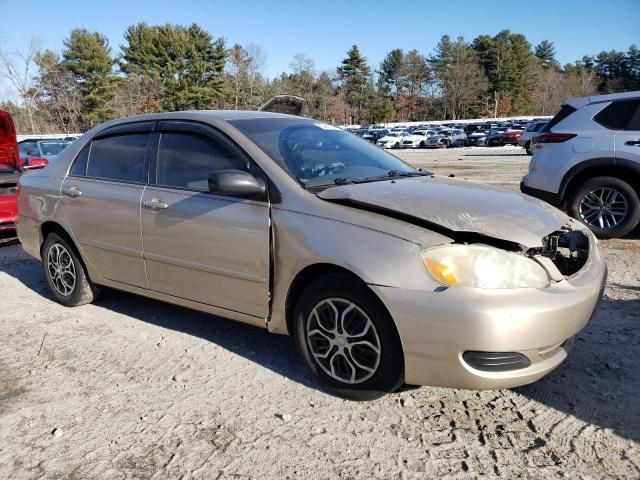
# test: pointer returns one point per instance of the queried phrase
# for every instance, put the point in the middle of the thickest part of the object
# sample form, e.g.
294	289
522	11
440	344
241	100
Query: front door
101	201
207	248
628	139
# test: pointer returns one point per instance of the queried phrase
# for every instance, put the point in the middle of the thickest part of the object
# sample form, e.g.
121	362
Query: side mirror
236	182
35	163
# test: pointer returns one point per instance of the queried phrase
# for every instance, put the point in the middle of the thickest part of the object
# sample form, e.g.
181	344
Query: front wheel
347	338
65	273
527	147
607	205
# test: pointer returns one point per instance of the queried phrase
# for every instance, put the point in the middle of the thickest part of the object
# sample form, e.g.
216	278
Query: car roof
579	102
225	115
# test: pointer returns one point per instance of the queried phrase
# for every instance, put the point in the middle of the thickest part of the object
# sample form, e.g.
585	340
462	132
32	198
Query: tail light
550	137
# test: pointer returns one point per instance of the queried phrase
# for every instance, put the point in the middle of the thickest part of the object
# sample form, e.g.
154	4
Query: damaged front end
567	249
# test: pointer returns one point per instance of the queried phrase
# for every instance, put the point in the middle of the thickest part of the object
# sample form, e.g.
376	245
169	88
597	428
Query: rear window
564	112
620	115
120	157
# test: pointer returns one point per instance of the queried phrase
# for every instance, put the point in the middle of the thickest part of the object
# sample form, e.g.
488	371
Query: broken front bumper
439	328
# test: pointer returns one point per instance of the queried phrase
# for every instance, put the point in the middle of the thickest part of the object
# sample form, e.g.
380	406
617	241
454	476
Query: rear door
101	201
211	249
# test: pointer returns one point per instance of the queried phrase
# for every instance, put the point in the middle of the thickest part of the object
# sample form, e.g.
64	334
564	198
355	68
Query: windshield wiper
386	176
392	174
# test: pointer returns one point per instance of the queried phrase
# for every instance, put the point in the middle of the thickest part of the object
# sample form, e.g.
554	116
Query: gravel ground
133	388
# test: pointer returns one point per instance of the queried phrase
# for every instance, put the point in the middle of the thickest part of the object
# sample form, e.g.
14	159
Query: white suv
587	160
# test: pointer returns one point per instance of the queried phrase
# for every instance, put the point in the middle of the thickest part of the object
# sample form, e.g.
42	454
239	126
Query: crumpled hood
457	205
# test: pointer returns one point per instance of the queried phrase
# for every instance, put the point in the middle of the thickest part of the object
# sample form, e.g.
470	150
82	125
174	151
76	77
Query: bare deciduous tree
18	68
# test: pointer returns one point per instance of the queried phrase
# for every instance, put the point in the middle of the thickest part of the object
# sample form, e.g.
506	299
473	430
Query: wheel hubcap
343	341
62	271
603	208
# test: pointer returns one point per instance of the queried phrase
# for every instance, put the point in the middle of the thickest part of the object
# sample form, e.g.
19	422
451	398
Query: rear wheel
65	273
348	339
527	147
607	205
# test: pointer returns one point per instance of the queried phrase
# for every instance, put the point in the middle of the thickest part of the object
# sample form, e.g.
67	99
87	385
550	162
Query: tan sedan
383	273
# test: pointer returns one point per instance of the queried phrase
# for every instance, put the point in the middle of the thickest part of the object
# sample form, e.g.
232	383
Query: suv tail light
550	137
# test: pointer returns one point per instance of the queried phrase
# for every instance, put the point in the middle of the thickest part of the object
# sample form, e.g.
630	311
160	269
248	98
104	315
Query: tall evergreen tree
87	56
546	53
355	75
188	60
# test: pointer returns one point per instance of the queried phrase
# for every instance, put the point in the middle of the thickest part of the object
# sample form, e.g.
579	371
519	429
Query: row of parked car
454	134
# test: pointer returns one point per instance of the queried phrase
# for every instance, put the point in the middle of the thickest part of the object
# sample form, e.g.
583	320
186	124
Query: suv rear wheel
607	205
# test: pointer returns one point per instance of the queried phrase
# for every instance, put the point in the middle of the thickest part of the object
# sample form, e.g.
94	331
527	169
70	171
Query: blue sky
326	29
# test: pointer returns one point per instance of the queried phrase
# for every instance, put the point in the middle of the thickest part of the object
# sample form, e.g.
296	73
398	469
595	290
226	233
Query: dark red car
11	167
510	137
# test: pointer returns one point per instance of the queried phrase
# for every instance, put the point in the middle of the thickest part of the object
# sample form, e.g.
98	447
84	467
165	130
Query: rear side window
79	167
185	160
120	157
618	115
564	112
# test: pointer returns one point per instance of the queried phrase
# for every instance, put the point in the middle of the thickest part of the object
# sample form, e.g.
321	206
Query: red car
510	137
11	167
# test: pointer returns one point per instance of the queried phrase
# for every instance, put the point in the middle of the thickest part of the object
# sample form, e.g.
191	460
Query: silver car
586	160
384	274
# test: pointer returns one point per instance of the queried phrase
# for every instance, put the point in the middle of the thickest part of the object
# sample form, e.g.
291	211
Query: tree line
174	67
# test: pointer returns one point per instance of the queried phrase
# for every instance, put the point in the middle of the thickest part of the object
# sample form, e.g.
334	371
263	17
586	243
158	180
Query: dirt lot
132	388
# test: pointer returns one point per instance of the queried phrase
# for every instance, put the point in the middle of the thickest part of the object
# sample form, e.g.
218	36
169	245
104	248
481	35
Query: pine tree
546	53
189	62
87	56
355	76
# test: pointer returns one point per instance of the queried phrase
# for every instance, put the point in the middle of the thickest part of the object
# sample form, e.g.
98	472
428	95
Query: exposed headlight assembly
482	266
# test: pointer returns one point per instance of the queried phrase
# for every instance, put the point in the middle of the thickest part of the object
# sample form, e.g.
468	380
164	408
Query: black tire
83	290
388	375
527	147
421	145
629	221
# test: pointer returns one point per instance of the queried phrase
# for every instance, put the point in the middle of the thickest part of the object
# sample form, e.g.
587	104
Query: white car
417	139
587	161
392	140
530	132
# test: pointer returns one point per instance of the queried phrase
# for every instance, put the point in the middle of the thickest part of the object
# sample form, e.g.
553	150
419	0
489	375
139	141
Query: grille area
496	361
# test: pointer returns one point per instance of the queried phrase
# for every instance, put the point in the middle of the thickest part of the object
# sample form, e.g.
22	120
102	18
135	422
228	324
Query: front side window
185	160
119	157
316	154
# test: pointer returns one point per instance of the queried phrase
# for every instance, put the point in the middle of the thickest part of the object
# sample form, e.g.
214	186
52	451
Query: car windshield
52	148
318	154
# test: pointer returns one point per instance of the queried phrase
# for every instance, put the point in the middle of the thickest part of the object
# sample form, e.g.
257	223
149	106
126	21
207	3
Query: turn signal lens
441	271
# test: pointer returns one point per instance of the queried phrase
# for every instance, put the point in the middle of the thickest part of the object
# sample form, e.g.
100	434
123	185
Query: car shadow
275	352
599	383
497	154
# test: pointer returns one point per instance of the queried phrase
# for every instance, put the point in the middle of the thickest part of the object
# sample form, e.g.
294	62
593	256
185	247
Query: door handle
633	142
72	192
155	203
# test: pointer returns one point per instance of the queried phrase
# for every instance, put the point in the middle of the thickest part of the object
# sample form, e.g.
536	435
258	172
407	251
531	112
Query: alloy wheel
343	341
603	208
62	270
